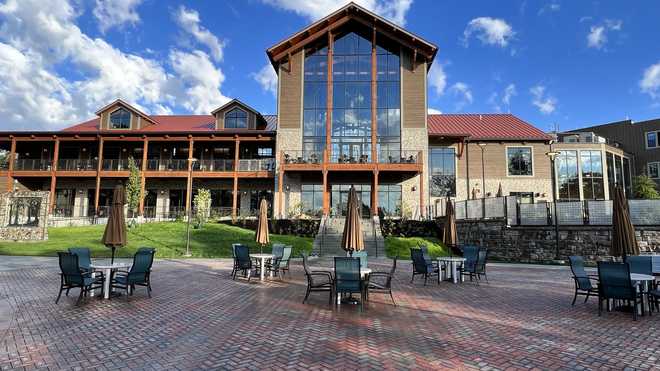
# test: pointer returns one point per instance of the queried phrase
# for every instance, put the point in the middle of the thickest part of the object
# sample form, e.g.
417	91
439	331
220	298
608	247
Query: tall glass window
611	181
567	175
315	101
628	176
312	198
519	161
351	98
120	119
591	163
442	161
618	171
389	199
236	119
388	102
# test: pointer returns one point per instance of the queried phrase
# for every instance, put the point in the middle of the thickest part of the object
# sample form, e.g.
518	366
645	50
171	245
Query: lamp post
188	207
482	147
552	155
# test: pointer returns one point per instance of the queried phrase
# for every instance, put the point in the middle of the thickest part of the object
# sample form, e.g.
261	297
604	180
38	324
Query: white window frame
648	171
646	139
130	119
506	161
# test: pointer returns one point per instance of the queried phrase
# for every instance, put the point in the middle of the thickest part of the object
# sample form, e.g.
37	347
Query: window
315	102
524	197
312	198
591	163
388	102
442	161
652	140
653	169
610	173
389	199
120	119
236	118
519	161
568	184
265	152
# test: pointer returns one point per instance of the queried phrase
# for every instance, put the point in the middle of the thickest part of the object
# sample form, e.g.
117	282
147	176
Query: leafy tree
645	188
202	203
4	158
133	186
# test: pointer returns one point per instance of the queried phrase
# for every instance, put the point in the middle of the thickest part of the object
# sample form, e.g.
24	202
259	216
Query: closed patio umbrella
499	191
352	239
624	242
261	234
115	231
449	237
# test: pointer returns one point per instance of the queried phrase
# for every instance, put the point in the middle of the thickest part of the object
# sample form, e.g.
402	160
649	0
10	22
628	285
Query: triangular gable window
236	118
120	119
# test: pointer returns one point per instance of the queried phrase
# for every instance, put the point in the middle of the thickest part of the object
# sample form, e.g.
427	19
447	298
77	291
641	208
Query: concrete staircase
328	239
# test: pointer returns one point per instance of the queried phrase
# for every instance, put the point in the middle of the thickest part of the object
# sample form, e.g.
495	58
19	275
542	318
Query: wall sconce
45	149
287	188
543	195
80	191
123	149
165	150
84	149
489	194
27	154
162	191
537	194
413	188
206	149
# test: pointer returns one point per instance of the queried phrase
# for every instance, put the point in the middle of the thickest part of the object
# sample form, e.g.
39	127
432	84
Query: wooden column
53	177
326	195
12	159
98	177
374	92
189	182
280	184
374	195
143	167
328	121
234	195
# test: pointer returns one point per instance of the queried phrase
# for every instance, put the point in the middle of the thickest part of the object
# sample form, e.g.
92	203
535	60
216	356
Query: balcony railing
28	164
264	164
76	165
303	157
397	157
345	158
116	164
4	164
168	165
213	165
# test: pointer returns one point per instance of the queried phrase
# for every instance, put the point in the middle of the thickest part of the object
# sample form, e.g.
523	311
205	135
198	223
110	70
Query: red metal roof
170	123
491	126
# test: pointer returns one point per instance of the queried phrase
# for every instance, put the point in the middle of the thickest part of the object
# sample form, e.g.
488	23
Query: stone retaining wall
23	232
537	243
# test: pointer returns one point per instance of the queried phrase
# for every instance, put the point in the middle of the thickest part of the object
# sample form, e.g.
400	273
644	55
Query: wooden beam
301	44
326	194
53	177
393	37
189	176
421	184
374	195
145	148
237	148
280	185
10	170
98	177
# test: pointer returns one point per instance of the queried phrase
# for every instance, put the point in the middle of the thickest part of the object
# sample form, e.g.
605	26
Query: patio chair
138	275
84	257
654	300
640	264
284	262
427	256
233	256
348	279
614	283
421	267
382	281
482	259
469	267
243	261
583	284
73	276
273	265
317	281
362	255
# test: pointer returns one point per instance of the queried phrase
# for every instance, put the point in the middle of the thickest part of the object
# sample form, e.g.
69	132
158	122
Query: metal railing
28	164
302	157
76	165
116	164
344	158
397	157
213	165
265	164
167	165
4	164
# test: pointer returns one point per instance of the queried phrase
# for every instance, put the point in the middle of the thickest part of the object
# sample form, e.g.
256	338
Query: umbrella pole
112	259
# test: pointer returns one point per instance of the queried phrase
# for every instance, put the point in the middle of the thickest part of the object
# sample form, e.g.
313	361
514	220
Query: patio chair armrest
379	274
321	273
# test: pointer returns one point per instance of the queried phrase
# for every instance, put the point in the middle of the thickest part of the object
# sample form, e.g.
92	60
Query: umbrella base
350	300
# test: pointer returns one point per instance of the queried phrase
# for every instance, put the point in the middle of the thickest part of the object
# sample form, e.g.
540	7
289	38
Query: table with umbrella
262	238
352	239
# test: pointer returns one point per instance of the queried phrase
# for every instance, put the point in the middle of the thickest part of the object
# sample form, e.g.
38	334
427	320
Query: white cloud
503	103
462	90
40	40
188	20
433	111
491	31
549	8
546	103
437	78
267	78
114	13
509	92
393	10
597	36
650	82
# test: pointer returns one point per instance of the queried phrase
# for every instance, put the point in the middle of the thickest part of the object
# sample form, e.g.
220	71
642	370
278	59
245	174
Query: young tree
133	186
644	187
202	204
4	158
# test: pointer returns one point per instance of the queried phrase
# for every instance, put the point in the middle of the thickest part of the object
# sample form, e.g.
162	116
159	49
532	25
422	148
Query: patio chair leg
426	277
80	296
413	277
67	291
587	297
306	295
58	295
392	296
600	306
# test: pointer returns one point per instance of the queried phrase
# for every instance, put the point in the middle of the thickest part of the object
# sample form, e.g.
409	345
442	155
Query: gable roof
235	102
348	12
490	126
128	107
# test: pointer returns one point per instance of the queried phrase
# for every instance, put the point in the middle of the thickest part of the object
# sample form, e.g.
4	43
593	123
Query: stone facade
24	233
537	243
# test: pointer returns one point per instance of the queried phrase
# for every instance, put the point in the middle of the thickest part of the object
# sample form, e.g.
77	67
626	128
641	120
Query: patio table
107	272
644	280
262	264
452	262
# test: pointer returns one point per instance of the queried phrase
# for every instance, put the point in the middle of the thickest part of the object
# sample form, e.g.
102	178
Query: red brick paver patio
199	318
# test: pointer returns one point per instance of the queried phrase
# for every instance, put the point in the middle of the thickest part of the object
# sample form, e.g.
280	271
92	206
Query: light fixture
123	149
552	154
414	188
45	149
84	149
287	187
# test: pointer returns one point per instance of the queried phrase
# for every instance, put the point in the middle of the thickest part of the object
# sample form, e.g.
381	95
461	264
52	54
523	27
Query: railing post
518	217
549	213
506	210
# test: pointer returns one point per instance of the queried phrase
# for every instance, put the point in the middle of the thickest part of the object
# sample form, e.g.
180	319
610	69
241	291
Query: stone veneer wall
537	243
10	233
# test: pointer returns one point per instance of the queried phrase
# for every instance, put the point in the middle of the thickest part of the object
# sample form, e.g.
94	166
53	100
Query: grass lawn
169	239
400	246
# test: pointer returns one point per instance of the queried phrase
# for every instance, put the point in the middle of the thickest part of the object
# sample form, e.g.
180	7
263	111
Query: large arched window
236	118
120	119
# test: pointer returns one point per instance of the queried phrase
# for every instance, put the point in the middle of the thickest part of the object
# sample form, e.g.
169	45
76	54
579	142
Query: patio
199	318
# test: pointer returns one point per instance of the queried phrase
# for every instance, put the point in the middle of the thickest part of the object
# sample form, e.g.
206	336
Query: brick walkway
198	318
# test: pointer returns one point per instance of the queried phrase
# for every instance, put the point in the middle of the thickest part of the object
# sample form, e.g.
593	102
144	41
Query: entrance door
339	199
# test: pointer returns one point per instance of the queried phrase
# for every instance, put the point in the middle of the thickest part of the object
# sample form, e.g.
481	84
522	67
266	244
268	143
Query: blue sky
570	63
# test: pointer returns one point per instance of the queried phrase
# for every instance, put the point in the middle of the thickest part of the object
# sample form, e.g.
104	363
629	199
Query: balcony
264	164
303	157
27	164
356	158
213	165
167	165
76	165
398	157
118	164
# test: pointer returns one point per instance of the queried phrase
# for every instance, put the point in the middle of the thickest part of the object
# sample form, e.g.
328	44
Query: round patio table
453	262
644	280
262	263
107	273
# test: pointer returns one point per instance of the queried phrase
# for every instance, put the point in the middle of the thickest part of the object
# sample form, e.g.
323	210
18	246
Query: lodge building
351	110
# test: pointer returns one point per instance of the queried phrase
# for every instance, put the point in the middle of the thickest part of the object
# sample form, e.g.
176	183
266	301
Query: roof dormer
236	115
120	115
